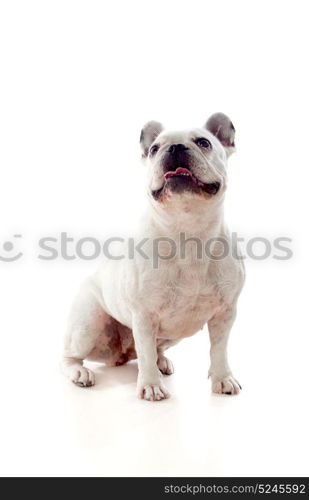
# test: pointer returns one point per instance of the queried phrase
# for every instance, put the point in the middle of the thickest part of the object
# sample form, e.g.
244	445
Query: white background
78	81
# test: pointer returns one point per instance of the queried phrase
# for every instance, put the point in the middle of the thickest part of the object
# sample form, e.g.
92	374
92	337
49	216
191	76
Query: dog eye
204	143
153	149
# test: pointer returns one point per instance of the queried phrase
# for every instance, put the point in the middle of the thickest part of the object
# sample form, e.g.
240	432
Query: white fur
162	306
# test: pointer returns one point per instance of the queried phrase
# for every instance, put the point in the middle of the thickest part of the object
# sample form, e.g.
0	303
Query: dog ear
148	134
221	127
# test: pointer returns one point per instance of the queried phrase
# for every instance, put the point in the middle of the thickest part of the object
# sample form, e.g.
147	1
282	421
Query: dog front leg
220	373
149	383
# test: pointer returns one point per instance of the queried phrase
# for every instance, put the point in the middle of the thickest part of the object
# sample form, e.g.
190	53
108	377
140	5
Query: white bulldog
184	278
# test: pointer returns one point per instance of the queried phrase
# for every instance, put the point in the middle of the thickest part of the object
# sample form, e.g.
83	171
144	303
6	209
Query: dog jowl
133	310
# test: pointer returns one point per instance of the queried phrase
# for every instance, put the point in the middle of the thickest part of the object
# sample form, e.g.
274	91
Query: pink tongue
179	170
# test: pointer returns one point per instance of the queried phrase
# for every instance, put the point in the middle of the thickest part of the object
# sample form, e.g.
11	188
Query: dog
131	308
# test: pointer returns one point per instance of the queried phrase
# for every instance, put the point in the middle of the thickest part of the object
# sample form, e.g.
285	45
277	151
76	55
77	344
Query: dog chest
184	303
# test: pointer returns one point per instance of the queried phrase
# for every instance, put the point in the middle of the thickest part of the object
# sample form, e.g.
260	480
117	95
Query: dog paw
81	376
226	385
165	365
152	392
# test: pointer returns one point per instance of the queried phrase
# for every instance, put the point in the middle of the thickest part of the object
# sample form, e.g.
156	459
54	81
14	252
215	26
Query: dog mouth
183	179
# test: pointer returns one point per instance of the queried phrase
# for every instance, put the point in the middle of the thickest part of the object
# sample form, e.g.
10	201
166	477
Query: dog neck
195	218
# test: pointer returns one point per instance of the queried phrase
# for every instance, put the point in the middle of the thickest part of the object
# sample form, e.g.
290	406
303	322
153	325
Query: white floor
50	427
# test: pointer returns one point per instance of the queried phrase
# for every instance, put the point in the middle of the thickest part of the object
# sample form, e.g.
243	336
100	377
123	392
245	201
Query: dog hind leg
86	322
165	365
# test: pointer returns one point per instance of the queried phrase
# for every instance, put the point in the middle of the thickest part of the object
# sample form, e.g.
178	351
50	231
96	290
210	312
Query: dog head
190	163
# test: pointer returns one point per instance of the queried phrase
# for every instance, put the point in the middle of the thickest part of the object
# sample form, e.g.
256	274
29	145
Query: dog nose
177	148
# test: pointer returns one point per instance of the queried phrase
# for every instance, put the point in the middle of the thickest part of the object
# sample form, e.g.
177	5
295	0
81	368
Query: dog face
190	162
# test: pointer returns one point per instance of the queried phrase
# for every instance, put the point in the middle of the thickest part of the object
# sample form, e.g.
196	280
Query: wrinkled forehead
180	136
